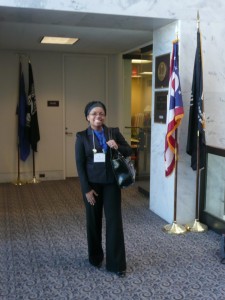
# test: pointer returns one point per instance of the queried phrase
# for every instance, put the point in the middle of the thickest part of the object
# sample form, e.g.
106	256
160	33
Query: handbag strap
110	133
113	152
110	137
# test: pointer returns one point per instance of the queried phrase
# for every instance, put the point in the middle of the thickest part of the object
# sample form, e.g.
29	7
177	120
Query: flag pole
175	228
34	180
32	124
197	226
18	181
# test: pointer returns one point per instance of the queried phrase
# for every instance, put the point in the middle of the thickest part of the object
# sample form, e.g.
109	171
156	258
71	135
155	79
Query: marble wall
213	47
210	11
161	188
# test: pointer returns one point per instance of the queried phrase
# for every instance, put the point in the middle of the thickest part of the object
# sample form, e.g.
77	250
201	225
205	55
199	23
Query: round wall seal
162	69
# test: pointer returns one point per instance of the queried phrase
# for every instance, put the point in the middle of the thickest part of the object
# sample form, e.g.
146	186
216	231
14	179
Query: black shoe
97	265
121	274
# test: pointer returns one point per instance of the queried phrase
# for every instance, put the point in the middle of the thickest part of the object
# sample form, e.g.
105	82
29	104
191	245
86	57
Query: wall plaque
53	103
160	107
162	70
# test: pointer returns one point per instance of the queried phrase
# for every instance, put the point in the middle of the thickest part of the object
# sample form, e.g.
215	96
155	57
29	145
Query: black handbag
123	169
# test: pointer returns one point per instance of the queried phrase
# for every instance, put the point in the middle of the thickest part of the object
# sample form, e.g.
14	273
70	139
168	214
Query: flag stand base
34	180
174	228
19	182
197	227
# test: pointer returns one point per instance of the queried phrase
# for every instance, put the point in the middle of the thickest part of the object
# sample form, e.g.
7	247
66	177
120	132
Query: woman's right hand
91	197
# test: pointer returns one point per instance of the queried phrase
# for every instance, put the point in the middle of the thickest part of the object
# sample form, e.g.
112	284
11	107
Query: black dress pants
109	198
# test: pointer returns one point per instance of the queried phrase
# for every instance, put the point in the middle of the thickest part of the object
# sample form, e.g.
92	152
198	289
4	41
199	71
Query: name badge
99	157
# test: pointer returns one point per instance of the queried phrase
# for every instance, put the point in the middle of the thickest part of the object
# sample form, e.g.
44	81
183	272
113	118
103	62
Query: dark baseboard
143	191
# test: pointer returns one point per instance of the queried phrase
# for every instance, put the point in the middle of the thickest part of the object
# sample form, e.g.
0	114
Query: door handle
68	133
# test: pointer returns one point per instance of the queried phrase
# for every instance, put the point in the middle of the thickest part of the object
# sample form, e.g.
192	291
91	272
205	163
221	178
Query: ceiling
21	30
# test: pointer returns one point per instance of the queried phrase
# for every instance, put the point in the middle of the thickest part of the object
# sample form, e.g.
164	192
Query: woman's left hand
112	144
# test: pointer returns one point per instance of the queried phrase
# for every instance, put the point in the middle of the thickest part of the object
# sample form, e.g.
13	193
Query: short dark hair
93	104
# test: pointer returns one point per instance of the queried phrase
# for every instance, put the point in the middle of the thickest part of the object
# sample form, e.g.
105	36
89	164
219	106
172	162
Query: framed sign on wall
160	107
162	70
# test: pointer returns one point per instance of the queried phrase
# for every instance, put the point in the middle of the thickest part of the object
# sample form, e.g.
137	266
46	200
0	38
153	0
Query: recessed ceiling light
146	73
141	61
58	40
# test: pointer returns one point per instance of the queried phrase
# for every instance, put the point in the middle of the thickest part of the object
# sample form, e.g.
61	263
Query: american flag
175	112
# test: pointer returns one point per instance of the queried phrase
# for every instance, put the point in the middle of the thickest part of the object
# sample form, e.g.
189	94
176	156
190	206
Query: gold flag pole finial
176	33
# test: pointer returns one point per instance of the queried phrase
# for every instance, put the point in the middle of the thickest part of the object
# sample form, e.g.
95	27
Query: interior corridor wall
213	47
47	72
48	79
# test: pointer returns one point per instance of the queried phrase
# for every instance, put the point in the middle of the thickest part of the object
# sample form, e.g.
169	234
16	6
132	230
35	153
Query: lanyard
94	149
102	141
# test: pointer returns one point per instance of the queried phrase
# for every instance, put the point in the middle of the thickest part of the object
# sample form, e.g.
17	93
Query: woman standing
99	188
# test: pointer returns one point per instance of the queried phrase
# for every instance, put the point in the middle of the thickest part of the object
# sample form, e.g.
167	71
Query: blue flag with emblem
32	126
23	143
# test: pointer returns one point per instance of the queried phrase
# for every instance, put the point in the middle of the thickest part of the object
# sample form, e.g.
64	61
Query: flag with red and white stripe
175	112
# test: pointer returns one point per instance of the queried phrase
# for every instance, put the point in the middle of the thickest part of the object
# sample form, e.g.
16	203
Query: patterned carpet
43	252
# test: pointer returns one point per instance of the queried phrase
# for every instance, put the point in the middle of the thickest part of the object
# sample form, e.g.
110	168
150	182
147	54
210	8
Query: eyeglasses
95	114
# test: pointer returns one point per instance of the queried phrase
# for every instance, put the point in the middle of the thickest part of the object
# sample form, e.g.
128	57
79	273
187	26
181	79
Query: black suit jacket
88	171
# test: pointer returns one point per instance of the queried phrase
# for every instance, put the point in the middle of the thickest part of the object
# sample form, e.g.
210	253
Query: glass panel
215	186
141	106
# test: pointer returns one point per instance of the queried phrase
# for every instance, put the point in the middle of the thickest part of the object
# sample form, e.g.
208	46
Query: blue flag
24	146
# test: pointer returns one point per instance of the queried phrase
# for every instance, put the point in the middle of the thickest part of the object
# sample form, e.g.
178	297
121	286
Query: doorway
84	80
141	106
